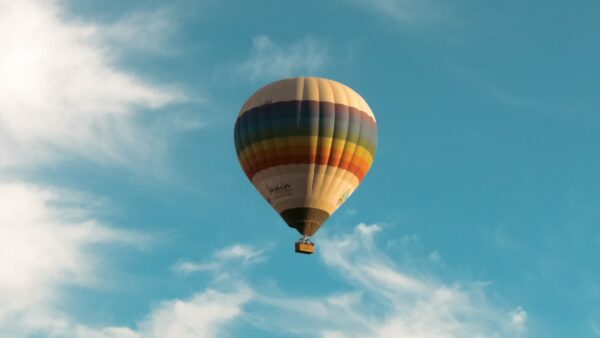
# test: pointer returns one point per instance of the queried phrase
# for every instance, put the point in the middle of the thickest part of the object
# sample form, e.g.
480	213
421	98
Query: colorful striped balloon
306	143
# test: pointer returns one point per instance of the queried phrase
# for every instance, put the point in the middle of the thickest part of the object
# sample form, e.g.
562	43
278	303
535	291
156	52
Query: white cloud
518	317
61	93
186	267
239	251
368	230
268	60
109	332
239	255
389	302
204	315
403	241
407	12
386	301
46	241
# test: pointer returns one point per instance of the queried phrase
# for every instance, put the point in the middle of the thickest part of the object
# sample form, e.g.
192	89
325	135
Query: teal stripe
305	119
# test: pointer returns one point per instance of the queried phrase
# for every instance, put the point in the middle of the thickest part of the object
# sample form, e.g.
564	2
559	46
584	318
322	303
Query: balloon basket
305	248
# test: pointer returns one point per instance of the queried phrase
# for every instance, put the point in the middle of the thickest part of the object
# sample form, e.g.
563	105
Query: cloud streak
46	241
385	301
389	302
239	255
61	94
406	12
204	315
130	33
518	318
269	60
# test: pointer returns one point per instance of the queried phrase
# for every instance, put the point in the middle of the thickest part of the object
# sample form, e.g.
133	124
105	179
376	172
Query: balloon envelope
306	144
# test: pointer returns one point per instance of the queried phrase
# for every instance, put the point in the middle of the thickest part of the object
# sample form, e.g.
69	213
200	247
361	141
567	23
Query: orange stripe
310	156
359	166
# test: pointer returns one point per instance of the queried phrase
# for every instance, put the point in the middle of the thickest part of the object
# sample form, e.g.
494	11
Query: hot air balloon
305	143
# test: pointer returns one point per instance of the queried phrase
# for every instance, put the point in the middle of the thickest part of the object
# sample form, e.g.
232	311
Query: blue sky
124	212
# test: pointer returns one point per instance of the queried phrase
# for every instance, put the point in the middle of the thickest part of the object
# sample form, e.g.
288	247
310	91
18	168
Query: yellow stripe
325	144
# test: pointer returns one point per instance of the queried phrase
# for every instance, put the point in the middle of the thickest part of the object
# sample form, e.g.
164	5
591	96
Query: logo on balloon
280	188
344	196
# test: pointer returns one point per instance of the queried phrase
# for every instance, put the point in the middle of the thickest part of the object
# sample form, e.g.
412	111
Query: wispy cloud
406	12
60	92
595	327
146	32
204	315
435	256
518	319
46	241
269	60
81	331
386	301
402	304
494	91
238	254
